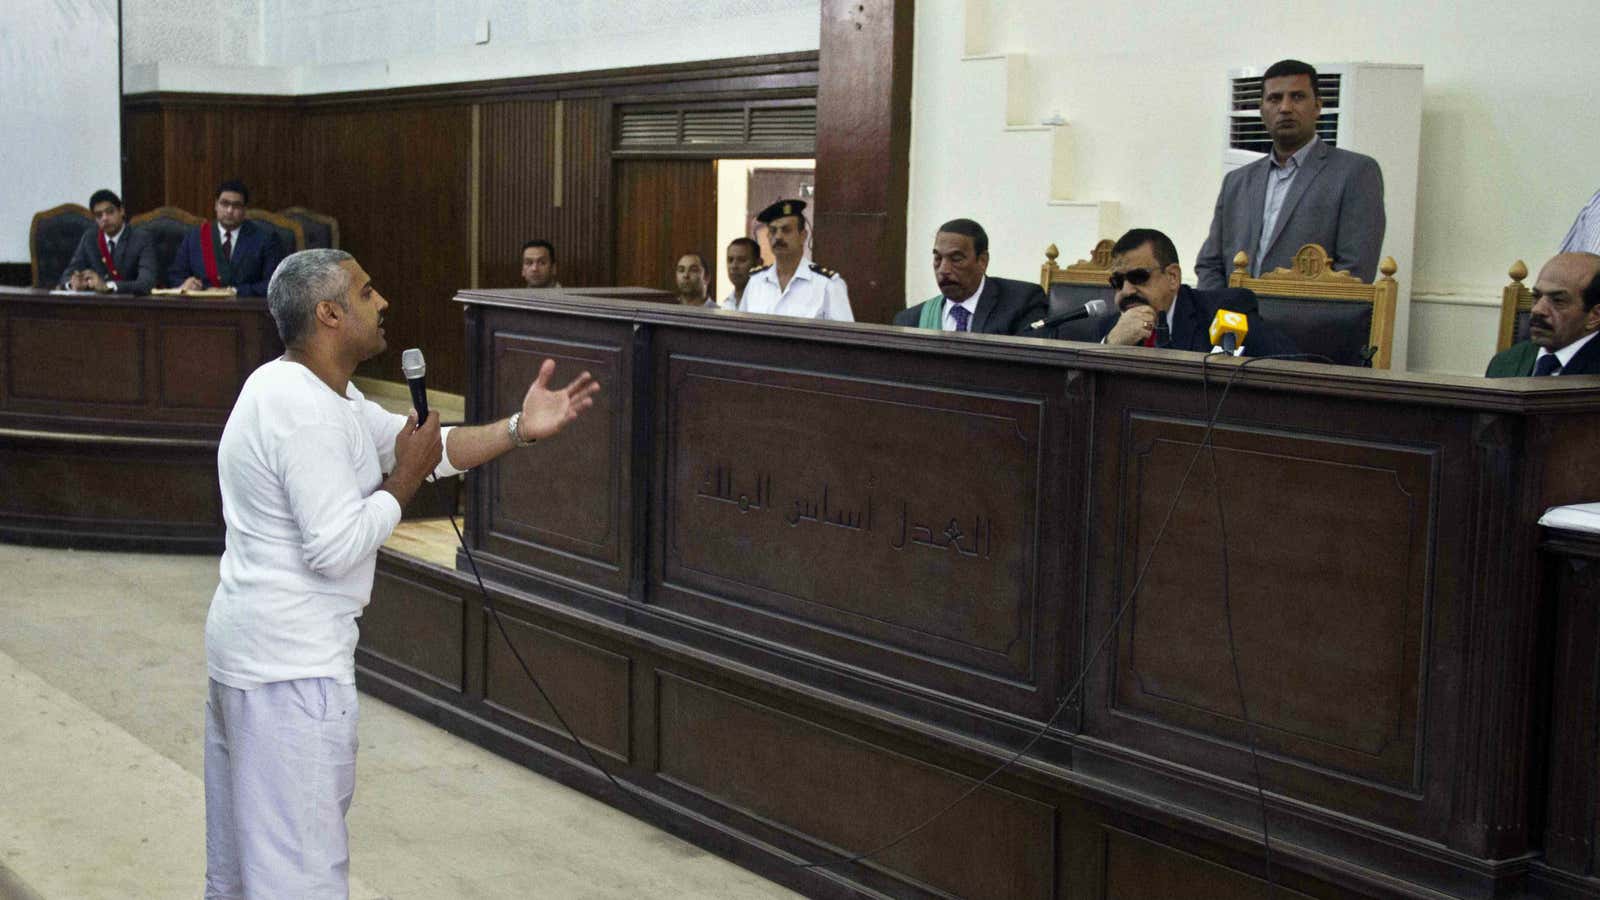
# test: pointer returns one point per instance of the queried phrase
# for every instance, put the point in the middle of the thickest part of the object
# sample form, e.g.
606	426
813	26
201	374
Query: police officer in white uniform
794	285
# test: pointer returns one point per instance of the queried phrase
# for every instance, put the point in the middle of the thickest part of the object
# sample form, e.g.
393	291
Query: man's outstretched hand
546	411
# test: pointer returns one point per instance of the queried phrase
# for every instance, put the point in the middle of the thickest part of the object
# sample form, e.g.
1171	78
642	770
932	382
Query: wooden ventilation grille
780	126
1246	131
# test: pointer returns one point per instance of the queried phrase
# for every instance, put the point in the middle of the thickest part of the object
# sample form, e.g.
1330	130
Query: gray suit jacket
1336	200
134	254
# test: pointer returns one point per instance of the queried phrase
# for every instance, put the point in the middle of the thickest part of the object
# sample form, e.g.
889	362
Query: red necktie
227	245
1150	339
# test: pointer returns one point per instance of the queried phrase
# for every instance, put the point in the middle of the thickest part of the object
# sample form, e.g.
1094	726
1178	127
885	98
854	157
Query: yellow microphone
1228	329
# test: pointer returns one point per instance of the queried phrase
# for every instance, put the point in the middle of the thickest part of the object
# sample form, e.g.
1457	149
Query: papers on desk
1583	517
64	292
202	293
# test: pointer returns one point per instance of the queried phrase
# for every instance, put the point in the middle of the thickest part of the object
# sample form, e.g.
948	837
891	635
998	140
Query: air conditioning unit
1370	108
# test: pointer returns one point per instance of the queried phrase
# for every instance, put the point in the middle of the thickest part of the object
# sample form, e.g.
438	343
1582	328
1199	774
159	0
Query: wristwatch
513	426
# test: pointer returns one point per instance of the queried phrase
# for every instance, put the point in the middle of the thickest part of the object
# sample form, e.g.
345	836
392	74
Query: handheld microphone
1092	308
1228	329
416	370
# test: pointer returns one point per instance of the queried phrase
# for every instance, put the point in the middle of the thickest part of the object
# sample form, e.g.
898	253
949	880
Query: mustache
1539	322
1130	301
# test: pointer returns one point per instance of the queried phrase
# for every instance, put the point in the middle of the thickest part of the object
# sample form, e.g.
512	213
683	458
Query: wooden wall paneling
143	159
260	144
863	142
664	208
520	164
398	180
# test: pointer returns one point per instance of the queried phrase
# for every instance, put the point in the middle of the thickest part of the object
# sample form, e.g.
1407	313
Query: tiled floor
102	681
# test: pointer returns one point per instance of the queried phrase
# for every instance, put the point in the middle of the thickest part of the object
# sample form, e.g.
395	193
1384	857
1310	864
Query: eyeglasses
1134	277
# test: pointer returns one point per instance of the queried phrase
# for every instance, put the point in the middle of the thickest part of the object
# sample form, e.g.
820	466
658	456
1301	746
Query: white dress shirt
810	294
970	305
1565	354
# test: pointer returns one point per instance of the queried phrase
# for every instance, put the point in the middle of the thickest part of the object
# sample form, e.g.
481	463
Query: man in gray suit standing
1303	192
112	257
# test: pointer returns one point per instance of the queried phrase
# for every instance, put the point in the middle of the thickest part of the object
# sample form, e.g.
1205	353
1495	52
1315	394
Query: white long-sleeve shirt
299	467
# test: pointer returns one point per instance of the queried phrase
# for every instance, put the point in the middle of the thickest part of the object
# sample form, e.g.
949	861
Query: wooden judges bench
111	407
802	583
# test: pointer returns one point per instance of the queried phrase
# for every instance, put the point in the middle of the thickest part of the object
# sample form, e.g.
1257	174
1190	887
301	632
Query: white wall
1507	129
316	46
58	89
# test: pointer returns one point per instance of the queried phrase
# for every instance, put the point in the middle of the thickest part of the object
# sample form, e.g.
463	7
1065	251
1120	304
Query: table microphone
416	371
1092	308
1228	329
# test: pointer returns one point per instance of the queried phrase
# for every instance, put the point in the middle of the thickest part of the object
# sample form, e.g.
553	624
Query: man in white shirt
794	285
744	255
307	503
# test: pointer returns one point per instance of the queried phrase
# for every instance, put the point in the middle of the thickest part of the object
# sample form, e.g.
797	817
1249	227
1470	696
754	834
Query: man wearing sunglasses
1159	310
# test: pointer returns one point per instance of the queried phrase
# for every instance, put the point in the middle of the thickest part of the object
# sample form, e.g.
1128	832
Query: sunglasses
1134	277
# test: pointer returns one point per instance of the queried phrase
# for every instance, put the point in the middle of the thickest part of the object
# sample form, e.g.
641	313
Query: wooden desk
110	412
802	583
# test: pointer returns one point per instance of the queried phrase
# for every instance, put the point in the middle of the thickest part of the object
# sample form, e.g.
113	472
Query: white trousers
280	773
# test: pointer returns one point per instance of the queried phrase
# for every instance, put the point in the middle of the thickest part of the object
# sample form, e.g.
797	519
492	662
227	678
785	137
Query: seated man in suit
232	252
1159	310
114	257
969	298
1303	192
1561	325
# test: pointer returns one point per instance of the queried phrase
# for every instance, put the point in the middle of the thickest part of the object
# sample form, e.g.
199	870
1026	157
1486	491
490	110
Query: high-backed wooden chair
322	231
52	237
1071	287
291	237
1516	304
1329	313
166	226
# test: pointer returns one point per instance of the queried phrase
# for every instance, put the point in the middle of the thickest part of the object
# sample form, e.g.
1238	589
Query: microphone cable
1227	604
637	796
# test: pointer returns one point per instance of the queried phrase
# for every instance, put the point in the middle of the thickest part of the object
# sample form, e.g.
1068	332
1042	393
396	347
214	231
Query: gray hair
299	283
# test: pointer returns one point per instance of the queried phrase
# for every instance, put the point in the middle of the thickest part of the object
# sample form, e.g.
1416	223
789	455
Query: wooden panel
64	360
755	511
1139	869
404	211
143	159
418	628
1572	829
590	685
56	484
519	167
559	505
1328	631
784	764
665	208
190	358
260	145
863	137
875	510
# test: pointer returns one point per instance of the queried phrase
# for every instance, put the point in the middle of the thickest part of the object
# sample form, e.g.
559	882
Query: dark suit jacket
1191	322
254	258
134	254
1517	360
1335	200
1006	306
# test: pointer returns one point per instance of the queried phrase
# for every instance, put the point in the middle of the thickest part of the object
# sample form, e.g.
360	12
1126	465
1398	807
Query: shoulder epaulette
821	270
759	269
